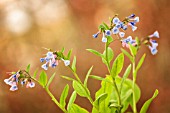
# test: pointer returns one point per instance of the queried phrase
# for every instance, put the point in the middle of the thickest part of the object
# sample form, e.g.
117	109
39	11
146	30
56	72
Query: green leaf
96	77
74	64
87	76
43	79
106	88
117	65
109	40
35	73
99	78
68	78
71	101
64	96
77	109
28	68
140	62
137	41
148	102
128	94
99	99
105	26
50	80
127	54
126	74
69	54
109	58
80	89
95	52
136	90
110	54
62	50
133	49
101	27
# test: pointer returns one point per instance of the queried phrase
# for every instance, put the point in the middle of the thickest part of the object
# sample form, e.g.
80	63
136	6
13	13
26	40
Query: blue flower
107	32
45	66
50	60
42	59
49	55
154	43
104	39
133	27
155	34
96	35
121	34
136	19
13	88
115	30
66	62
127	41
153	50
12	79
124	27
118	26
23	82
116	20
132	23
131	16
30	84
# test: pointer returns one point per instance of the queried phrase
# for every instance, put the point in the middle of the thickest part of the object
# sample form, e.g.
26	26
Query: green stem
78	79
114	83
75	74
118	95
108	64
52	97
133	87
55	101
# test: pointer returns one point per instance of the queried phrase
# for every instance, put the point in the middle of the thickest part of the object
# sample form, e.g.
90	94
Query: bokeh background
28	25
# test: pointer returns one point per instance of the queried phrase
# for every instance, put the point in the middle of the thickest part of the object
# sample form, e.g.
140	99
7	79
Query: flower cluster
154	44
127	41
52	60
118	27
14	79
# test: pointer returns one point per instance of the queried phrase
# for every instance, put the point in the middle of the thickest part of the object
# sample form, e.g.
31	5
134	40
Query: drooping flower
30	84
50	61
136	19
127	41
134	28
104	39
131	16
121	34
19	77
153	50
155	34
107	32
13	88
96	35
115	30
66	62
45	66
124	27
154	44
13	81
116	20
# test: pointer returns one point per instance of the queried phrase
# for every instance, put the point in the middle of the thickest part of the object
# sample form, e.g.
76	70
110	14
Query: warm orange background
71	23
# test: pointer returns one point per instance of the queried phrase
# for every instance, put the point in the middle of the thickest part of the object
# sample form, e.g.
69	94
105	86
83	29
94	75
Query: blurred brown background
29	25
